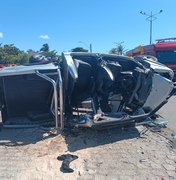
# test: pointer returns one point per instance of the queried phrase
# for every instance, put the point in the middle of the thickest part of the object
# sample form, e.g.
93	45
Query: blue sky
64	23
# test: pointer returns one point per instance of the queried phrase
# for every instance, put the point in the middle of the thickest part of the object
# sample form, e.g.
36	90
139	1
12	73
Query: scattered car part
66	160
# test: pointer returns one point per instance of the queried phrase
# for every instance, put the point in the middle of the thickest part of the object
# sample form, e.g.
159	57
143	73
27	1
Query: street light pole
151	24
151	17
90	46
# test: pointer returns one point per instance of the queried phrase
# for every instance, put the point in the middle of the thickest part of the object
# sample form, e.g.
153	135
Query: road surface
122	154
168	112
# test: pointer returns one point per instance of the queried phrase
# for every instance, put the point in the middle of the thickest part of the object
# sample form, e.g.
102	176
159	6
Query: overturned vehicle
84	90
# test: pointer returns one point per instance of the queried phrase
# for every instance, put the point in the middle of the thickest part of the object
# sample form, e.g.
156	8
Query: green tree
45	48
119	49
9	54
50	53
113	51
31	52
79	49
23	58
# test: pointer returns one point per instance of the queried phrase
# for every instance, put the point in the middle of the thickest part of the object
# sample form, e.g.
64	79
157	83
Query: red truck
164	50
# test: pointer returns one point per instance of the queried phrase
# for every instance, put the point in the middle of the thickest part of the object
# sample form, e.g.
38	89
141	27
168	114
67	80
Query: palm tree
45	48
119	49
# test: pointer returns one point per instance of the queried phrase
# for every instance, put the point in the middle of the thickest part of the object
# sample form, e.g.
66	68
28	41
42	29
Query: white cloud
1	35
44	36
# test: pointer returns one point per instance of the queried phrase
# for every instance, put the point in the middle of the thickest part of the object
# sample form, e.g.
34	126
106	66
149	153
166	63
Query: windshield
166	56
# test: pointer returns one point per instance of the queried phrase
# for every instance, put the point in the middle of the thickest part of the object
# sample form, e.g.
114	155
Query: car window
167	56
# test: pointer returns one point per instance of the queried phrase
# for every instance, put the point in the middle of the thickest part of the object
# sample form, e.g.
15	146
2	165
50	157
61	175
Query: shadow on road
86	138
19	137
75	140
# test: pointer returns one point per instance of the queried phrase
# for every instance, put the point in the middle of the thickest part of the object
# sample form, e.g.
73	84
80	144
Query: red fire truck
164	50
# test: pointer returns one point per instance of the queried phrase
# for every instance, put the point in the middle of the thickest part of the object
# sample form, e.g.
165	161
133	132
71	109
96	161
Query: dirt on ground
130	153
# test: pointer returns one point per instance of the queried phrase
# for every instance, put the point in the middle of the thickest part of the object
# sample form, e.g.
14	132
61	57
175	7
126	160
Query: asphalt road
168	112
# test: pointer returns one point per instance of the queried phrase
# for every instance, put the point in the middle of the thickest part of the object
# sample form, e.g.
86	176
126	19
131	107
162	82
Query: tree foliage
119	49
79	49
45	51
45	48
9	54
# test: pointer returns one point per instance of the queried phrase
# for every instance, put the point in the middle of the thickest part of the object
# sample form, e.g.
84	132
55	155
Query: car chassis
40	92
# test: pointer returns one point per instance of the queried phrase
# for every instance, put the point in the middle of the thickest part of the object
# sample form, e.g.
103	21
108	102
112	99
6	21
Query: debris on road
67	159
